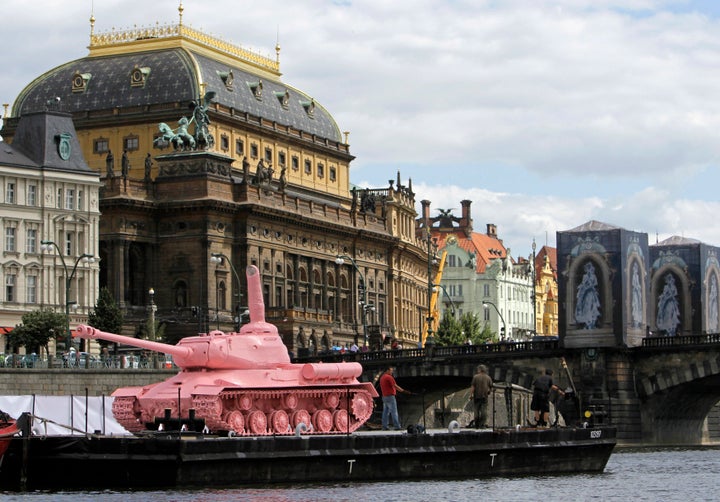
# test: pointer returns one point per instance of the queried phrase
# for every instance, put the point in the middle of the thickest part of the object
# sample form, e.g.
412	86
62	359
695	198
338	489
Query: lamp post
534	290
485	304
432	260
340	260
85	258
217	258
152	308
454	308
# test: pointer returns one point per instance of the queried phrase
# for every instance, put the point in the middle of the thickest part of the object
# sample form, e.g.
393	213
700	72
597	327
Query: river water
639	475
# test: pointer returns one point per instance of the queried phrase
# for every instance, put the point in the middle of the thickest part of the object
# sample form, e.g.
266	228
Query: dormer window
309	107
256	88
80	81
283	98
138	76
227	78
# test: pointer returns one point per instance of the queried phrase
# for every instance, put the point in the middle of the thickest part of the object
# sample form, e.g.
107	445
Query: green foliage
452	331
37	329
449	331
106	316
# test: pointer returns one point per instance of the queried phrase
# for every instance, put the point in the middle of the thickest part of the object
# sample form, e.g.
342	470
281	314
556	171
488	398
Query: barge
172	460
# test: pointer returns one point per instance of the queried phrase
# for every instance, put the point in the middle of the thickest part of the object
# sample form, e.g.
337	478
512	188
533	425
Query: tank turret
244	383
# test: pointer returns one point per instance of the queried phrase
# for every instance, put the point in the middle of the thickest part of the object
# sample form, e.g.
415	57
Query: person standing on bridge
480	387
540	403
389	388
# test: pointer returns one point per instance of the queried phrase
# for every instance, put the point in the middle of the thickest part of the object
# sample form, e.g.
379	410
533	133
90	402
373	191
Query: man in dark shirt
541	397
389	388
480	388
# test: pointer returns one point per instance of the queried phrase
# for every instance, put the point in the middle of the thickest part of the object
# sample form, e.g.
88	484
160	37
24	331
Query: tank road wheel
257	422
362	406
331	400
236	420
300	416
243	402
340	420
279	422
290	401
322	421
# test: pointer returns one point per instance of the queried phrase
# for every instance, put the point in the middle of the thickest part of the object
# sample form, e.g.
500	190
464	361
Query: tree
449	331
37	328
106	316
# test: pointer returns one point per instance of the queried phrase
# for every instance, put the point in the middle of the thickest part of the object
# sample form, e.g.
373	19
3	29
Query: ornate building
480	275
546	292
50	220
210	163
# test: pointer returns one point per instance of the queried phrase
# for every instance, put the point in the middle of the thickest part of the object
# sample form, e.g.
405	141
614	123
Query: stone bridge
663	392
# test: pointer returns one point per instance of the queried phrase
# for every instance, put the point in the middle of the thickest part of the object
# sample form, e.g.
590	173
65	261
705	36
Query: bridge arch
678	392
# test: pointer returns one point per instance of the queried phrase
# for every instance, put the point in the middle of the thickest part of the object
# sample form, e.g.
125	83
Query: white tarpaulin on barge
65	415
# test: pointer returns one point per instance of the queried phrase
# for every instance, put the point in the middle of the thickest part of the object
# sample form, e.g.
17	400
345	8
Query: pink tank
244	383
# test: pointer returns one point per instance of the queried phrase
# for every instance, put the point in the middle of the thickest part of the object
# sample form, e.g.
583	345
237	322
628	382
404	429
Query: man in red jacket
389	388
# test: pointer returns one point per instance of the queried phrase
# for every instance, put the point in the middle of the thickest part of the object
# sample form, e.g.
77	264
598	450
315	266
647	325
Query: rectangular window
10	193
32	195
486	290
10	281
31	240
58	201
308	167
31	289
486	314
320	171
239	147
254	151
268	155
333	174
224	143
68	244
70	198
295	163
131	143
10	238
80	200
101	145
281	159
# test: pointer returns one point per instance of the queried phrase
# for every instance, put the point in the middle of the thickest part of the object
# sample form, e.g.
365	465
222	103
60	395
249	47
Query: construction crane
432	319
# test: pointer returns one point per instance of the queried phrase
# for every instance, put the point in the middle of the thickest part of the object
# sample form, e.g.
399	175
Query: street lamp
432	260
534	290
340	260
217	258
485	304
435	288
85	258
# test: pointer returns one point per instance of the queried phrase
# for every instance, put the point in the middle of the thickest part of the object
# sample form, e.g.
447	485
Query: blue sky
545	114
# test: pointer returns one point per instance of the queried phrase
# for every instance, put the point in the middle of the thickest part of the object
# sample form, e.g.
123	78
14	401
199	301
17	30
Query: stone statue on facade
110	164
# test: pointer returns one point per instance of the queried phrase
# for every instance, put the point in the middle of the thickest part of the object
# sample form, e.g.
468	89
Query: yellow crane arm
434	314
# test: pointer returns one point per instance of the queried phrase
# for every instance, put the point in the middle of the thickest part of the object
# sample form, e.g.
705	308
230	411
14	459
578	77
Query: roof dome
153	66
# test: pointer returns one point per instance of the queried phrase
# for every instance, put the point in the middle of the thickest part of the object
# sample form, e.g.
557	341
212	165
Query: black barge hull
56	463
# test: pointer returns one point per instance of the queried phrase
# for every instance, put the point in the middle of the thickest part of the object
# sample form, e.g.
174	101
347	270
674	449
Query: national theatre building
208	163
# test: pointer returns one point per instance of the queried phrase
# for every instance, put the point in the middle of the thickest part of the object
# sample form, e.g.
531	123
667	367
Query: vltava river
637	475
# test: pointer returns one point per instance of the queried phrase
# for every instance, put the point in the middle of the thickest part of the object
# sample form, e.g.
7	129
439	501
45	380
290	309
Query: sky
545	114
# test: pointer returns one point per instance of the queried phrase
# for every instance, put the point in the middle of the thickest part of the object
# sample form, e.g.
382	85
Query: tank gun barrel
88	332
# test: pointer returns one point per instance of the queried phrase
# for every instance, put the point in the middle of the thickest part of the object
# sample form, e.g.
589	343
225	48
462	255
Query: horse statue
180	138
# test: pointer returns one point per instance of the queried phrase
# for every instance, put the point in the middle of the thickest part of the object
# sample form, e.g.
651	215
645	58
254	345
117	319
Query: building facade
49	195
480	275
209	163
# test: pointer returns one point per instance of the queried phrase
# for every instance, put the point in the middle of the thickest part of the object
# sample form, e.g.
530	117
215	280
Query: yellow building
211	162
546	292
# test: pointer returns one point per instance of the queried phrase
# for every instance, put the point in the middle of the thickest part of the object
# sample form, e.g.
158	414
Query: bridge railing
451	351
678	341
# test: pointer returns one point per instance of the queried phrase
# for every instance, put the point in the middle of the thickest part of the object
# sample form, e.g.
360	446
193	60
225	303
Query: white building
48	194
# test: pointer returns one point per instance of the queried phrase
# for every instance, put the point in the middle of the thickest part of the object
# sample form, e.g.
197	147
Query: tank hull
249	402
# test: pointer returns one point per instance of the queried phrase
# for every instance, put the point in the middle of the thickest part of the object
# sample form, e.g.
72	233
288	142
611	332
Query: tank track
270	412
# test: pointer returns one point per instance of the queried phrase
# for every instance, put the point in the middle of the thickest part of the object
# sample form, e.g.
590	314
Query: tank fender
325	371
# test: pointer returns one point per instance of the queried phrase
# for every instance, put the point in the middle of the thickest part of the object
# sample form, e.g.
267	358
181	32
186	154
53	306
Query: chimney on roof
492	230
466	219
425	212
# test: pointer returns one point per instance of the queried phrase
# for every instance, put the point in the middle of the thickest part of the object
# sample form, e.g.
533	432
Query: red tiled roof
485	247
